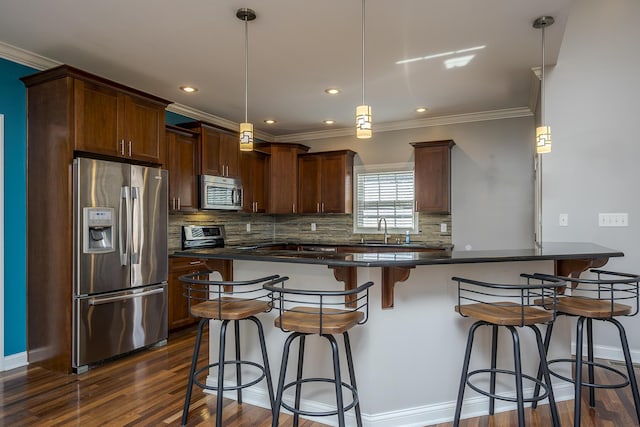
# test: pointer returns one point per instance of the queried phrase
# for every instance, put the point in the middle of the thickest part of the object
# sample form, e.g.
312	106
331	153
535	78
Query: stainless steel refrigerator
120	259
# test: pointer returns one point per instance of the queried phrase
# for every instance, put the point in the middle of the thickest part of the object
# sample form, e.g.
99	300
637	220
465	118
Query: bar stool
226	301
510	306
603	298
324	313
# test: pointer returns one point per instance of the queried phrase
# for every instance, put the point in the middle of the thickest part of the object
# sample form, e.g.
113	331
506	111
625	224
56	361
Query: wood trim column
348	275
390	276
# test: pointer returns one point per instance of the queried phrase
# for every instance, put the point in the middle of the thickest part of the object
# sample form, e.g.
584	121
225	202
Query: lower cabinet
178	305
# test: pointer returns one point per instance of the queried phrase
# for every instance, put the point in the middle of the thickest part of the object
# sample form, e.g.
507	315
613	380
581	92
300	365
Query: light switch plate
613	220
563	220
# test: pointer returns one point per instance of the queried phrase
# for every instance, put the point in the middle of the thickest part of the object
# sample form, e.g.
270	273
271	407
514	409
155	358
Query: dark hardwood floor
147	389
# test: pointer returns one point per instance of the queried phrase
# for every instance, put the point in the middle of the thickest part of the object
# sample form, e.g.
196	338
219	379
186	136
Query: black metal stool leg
236	327
518	372
544	371
592	390
194	363
296	417
352	376
577	406
633	383
265	358
283	372
338	378
465	370
547	342
494	352
220	389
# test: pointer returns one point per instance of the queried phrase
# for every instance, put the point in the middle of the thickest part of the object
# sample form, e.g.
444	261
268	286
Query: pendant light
543	132
363	111
246	128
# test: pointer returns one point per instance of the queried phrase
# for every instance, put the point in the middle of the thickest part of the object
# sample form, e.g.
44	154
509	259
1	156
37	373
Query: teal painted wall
13	106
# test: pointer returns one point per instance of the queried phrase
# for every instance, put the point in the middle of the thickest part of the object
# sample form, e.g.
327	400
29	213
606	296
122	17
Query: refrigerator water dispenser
98	230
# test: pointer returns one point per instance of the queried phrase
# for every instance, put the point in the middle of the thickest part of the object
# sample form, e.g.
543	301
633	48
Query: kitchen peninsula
421	342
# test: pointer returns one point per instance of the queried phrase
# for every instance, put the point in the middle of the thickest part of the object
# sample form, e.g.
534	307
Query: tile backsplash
331	228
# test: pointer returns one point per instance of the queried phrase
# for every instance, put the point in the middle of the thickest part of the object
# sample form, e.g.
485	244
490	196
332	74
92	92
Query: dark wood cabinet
114	123
254	167
69	111
433	176
283	177
325	183
219	150
179	315
182	163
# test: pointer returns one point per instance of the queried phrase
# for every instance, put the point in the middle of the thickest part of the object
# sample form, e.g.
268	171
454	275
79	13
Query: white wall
593	109
492	176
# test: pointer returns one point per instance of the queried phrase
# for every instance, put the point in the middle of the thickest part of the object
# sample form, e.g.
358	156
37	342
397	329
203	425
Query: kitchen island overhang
570	259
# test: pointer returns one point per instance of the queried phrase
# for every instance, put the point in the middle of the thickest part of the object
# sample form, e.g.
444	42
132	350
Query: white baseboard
13	361
409	417
606	352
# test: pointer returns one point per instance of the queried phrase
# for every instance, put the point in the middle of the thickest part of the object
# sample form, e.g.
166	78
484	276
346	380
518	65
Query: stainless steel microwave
217	192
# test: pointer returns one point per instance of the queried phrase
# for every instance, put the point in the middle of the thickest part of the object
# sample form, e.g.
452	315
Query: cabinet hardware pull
122	147
293	207
129	148
194	262
178	203
317	207
323	207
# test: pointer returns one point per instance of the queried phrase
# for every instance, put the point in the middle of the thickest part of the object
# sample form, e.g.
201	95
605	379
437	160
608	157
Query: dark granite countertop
548	251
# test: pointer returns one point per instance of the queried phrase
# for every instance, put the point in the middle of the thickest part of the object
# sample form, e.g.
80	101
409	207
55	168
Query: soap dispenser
407	239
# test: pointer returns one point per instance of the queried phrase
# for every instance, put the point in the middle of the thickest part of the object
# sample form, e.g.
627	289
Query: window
384	191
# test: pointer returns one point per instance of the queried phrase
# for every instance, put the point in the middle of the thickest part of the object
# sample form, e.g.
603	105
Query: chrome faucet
386	236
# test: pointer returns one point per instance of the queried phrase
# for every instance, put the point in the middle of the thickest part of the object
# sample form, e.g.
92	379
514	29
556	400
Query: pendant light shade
543	132
364	129
246	128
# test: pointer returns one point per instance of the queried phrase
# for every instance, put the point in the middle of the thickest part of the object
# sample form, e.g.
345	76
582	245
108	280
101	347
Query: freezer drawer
115	323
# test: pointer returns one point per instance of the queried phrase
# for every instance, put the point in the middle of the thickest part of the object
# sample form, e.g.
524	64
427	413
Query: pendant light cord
543	108
246	67
363	28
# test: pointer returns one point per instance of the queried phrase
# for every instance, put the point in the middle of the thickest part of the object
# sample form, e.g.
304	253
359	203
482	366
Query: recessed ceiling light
270	121
188	89
421	109
332	91
329	122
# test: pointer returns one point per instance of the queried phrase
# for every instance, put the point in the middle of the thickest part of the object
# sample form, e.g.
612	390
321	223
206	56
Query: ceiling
297	49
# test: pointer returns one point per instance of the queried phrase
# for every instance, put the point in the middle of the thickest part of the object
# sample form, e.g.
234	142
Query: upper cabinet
219	150
108	118
325	183
283	177
254	167
433	176
182	163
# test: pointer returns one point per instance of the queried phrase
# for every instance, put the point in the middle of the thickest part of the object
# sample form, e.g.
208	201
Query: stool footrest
234	387
318	413
595	365
545	388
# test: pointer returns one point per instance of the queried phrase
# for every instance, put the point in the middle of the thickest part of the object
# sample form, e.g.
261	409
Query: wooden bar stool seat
607	296
323	313
226	301
511	306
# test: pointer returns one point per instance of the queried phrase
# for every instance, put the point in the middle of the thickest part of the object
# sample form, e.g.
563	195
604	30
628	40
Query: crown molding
481	116
25	57
40	62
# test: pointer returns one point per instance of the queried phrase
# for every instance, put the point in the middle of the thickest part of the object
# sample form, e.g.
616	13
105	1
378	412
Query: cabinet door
178	312
283	185
143	129
210	146
432	178
253	167
336	183
183	170
230	154
309	184
97	126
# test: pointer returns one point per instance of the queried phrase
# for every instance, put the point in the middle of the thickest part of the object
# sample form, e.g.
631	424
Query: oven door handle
108	300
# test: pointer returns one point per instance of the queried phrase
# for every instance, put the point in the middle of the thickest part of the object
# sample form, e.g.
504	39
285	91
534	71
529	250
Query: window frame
382	168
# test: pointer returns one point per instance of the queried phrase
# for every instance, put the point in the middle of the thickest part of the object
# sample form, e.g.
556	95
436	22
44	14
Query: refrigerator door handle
108	300
123	232
136	231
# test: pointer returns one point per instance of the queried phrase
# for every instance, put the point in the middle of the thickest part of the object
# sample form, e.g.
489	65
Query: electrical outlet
313	226
248	228
443	227
613	220
563	221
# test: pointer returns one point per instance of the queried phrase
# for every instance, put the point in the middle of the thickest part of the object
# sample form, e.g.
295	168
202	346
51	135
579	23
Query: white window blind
387	194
